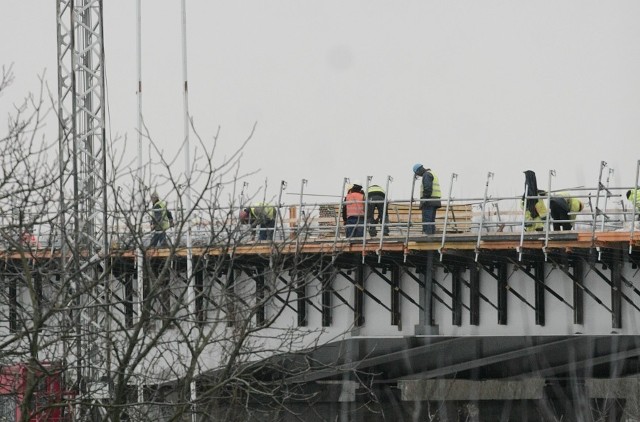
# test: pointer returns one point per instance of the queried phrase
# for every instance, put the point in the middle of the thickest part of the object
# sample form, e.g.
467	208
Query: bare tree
209	326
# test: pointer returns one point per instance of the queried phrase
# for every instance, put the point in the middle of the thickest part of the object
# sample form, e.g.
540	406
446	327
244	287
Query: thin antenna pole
140	193
187	172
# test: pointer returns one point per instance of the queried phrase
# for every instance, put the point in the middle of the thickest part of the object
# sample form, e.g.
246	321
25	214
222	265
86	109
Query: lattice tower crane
83	194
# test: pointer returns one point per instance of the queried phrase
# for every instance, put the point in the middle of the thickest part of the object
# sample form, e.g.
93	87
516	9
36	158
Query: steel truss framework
82	152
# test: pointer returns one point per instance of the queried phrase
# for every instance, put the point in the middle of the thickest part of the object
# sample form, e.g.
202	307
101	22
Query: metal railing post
300	215
366	214
547	222
524	221
484	203
454	176
337	234
606	199
633	205
406	239
596	210
384	216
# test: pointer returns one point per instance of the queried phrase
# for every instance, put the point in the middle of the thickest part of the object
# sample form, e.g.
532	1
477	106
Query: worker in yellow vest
429	197
376	200
563	209
633	196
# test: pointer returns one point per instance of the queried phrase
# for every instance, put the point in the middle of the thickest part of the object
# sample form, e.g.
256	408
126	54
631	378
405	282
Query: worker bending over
563	208
376	205
261	214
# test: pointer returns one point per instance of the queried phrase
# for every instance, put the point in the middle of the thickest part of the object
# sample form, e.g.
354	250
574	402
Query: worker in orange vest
353	211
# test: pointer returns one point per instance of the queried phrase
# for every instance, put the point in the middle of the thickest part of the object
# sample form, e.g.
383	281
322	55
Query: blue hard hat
416	167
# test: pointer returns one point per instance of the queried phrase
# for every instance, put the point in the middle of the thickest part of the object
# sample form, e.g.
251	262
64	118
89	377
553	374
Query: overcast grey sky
355	88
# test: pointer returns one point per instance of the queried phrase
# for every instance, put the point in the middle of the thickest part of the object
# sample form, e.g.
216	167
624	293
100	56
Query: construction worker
161	220
535	209
353	211
562	208
376	201
429	197
634	197
261	214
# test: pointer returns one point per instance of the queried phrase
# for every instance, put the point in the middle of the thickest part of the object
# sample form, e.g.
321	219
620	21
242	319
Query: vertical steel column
301	294
260	294
578	293
425	317
327	290
128	299
456	296
503	290
229	296
616	288
538	268
198	288
474	293
358	294
395	295
13	303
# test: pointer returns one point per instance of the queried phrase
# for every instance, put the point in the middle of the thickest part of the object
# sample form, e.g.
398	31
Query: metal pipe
300	213
484	203
596	210
366	215
633	213
524	217
384	217
335	239
454	176
606	198
406	239
547	222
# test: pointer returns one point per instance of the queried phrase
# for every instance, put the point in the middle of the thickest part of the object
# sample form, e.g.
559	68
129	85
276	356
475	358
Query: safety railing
605	208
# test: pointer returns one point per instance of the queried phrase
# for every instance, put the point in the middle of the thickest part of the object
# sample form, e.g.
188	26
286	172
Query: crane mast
83	193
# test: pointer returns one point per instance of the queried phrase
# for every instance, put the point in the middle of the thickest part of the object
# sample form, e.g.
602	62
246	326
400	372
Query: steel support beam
358	296
426	272
456	296
616	288
474	293
503	290
395	296
326	279
577	270
301	295
538	273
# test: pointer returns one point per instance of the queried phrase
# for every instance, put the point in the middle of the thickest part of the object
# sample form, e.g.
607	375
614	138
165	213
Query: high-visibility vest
435	189
164	216
355	204
635	198
575	205
263	212
375	189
